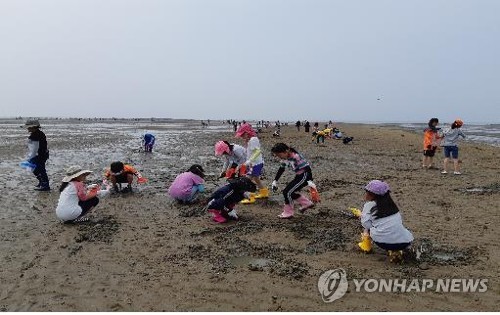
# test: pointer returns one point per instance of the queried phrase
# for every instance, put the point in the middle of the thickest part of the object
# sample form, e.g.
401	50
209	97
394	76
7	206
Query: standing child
186	186
234	156
431	138
382	222
254	162
223	200
38	154
450	145
120	173
77	200
148	140
303	177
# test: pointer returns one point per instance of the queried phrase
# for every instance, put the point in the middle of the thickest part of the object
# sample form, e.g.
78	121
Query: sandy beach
142	252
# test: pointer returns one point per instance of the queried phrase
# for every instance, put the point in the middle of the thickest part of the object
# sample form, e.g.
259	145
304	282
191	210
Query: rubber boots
249	200
39	178
287	212
217	216
263	193
395	256
304	203
366	243
355	212
44	186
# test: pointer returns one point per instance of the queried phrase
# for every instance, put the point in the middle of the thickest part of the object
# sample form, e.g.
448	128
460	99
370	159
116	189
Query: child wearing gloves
223	201
303	177
234	157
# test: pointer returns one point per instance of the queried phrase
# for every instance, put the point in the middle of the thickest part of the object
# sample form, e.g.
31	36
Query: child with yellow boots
382	222
254	163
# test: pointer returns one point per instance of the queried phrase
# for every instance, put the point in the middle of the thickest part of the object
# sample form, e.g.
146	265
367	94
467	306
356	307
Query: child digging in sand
120	173
255	162
382	222
303	177
234	157
431	138
148	141
187	186
77	200
223	200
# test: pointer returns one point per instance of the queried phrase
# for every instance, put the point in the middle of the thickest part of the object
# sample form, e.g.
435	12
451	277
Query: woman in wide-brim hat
76	199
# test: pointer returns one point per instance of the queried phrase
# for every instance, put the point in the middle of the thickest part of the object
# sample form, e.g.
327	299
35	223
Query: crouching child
119	173
223	201
382	222
187	186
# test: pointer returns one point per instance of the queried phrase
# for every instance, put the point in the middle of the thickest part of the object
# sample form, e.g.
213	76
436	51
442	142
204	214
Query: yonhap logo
333	285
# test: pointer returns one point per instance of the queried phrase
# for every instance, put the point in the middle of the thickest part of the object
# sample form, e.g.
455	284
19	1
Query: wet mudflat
143	252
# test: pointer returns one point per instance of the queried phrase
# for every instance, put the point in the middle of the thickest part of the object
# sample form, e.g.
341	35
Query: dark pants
87	205
122	178
299	182
320	138
399	246
40	172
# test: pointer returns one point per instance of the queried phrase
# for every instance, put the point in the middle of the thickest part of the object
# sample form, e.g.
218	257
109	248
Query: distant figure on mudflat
38	154
148	141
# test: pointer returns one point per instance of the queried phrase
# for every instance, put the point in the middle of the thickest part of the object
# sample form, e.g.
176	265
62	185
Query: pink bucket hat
221	147
245	128
378	187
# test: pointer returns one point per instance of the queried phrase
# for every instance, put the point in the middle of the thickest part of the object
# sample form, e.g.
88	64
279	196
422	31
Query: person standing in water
38	153
255	162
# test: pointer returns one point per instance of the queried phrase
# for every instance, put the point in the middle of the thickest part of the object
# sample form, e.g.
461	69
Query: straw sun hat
73	172
31	123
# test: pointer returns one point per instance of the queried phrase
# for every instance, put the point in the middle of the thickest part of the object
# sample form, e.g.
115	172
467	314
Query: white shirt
252	146
239	156
389	230
67	207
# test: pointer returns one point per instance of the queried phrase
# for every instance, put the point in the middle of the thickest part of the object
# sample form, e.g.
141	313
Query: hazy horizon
353	61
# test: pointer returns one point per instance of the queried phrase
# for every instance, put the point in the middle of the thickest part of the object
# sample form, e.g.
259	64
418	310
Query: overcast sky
275	59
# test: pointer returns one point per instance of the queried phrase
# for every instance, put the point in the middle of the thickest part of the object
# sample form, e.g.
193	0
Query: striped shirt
296	162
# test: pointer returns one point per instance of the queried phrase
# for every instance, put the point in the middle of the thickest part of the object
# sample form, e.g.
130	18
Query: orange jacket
127	169
431	138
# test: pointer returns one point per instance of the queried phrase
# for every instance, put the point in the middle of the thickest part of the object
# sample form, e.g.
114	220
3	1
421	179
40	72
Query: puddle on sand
493	188
444	256
250	262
